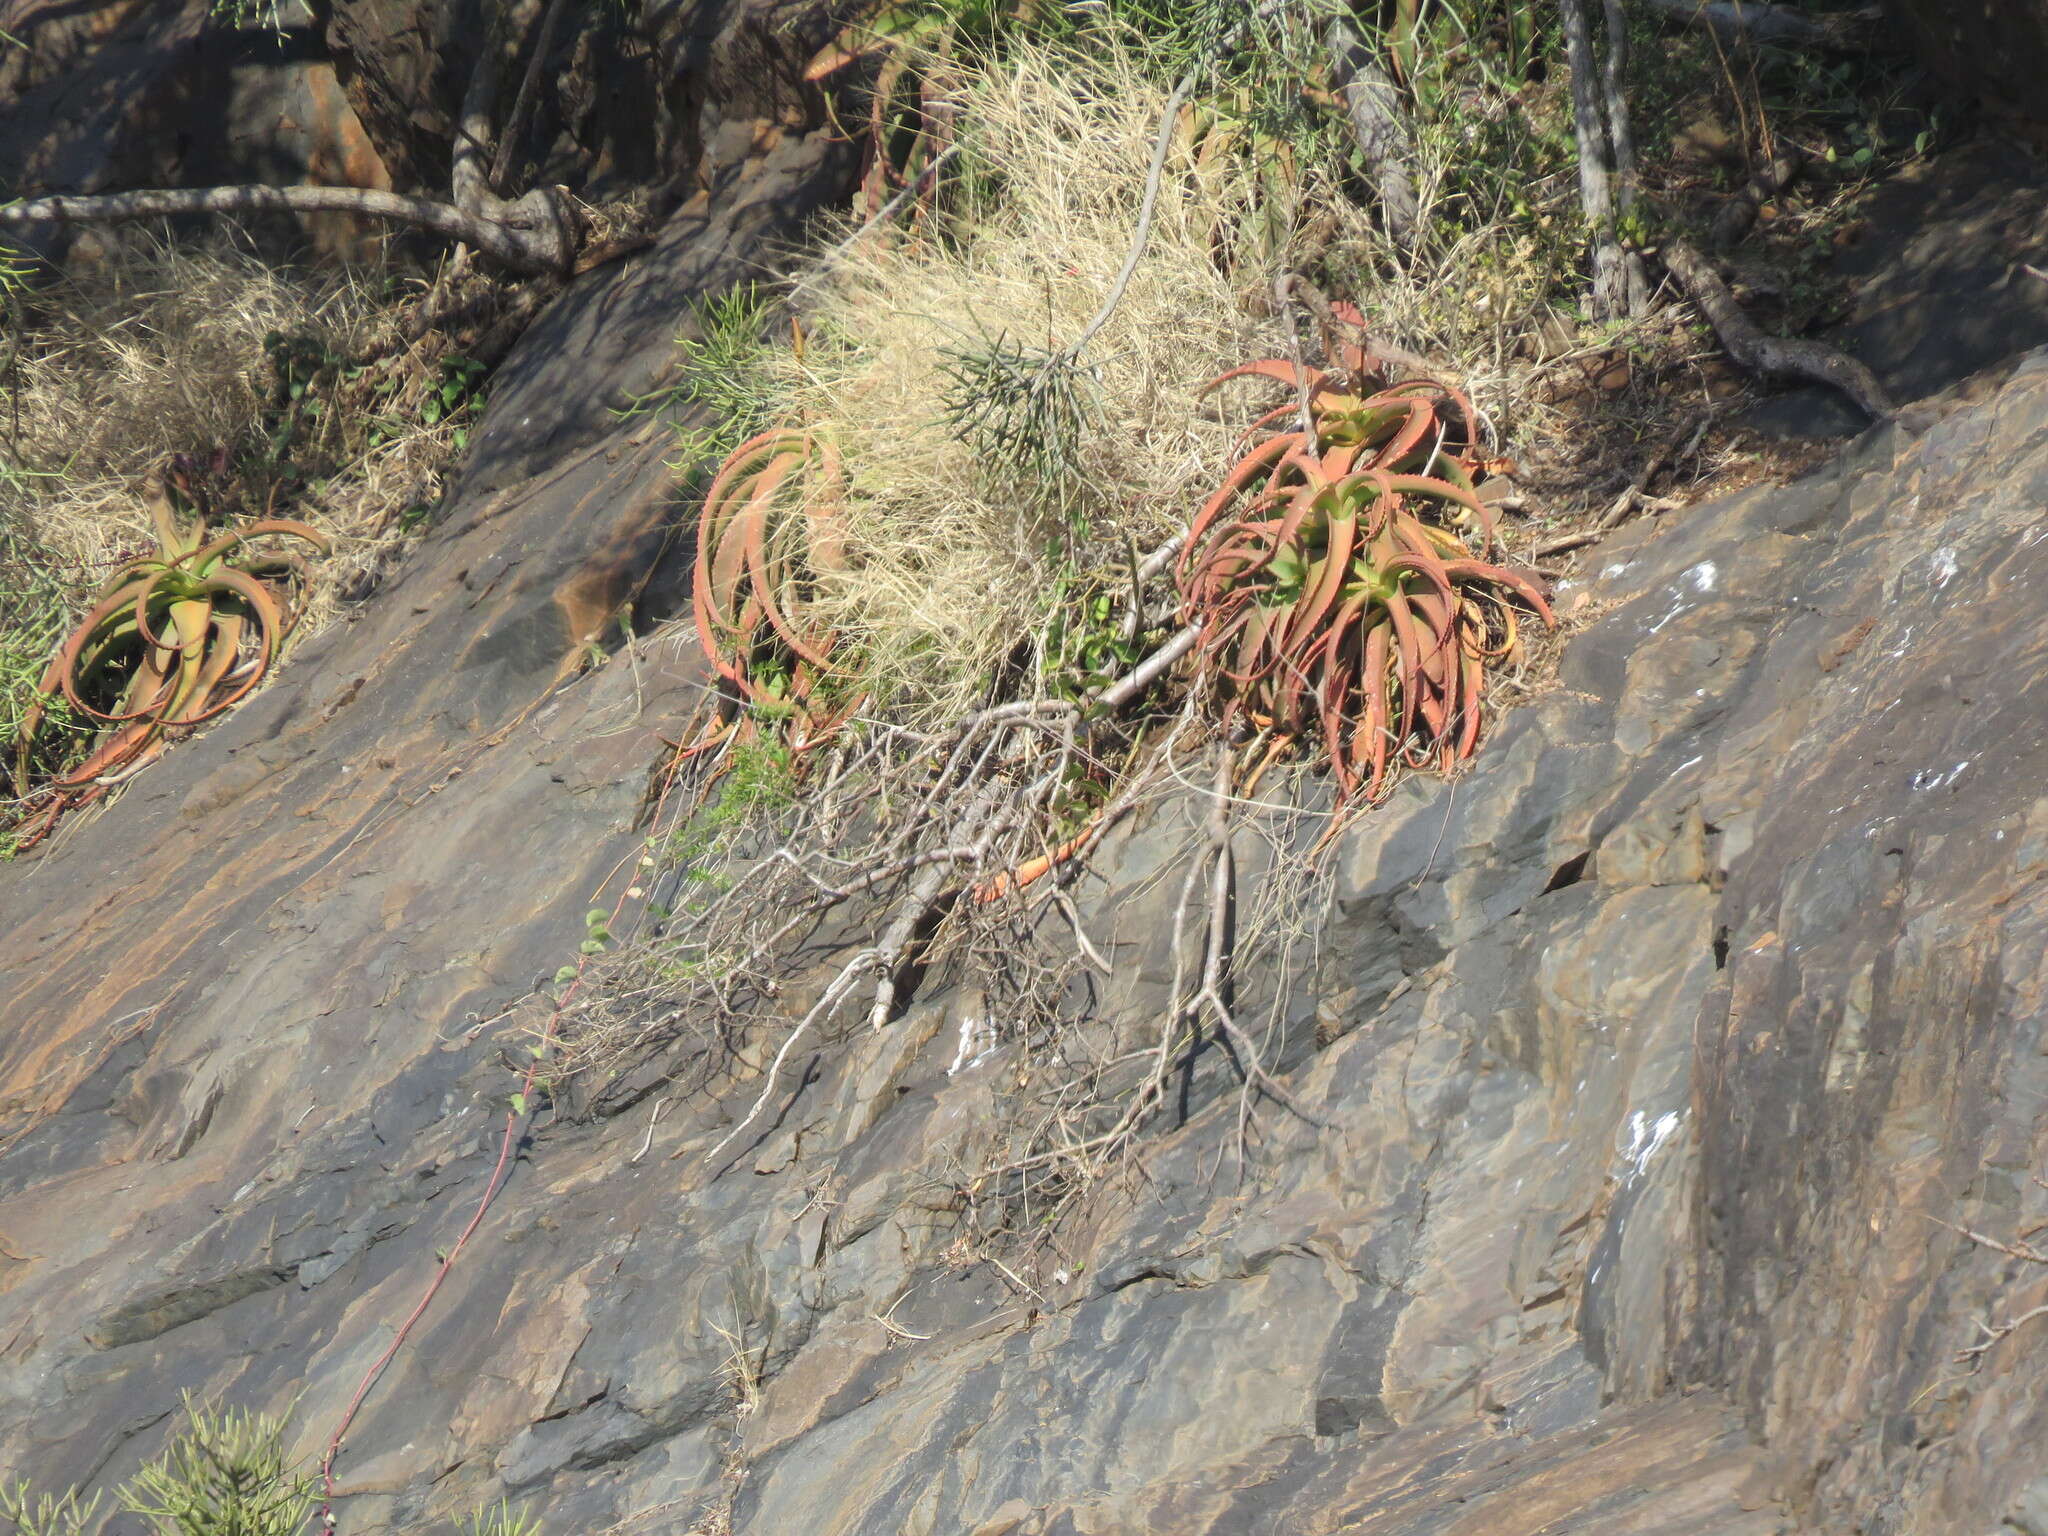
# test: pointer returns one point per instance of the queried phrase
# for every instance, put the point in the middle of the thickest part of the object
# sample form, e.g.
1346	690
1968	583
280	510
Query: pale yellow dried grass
951	567
157	347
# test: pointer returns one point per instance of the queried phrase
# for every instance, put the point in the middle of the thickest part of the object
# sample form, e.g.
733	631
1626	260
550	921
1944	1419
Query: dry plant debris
316	395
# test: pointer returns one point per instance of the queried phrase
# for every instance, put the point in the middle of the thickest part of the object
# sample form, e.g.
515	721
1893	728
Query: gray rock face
120	95
1662	1056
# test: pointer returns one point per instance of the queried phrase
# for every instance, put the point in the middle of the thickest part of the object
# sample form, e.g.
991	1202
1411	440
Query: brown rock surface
1657	1050
1725	993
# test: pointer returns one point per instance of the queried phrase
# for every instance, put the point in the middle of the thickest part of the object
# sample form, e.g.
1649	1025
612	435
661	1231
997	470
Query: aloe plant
1339	574
773	523
174	639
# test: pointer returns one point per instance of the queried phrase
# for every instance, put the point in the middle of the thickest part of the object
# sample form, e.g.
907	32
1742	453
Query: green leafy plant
718	372
174	639
225	1473
249	13
461	386
501	1519
38	608
1024	410
1335	579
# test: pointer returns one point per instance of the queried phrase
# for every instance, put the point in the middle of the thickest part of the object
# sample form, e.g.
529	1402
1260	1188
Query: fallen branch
1147	672
831	998
927	895
534	235
1771	356
1374	108
1747	22
1218	970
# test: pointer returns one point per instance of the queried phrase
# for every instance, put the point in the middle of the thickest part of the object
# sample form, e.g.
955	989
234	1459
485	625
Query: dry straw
159	348
958	552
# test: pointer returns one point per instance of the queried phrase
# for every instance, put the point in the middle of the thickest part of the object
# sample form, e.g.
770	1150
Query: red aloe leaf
1408	661
1320	591
1500	575
1407	437
769	575
1279	369
88	633
1473	679
269	624
1242	473
1378	679
220	656
1442	490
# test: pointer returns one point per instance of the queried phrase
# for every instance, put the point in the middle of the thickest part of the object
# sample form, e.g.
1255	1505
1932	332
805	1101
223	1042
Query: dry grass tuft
295	393
956	555
953	559
160	348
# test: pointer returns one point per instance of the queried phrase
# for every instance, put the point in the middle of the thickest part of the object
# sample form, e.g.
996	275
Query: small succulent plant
1340	573
175	638
772	523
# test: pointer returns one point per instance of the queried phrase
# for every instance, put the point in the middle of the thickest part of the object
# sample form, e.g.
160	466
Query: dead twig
834	994
1995	1332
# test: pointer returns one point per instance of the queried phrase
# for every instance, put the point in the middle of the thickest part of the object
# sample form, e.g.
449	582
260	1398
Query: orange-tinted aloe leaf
1279	369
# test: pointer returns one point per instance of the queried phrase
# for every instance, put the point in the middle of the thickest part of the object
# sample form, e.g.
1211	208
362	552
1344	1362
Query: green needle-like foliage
225	1475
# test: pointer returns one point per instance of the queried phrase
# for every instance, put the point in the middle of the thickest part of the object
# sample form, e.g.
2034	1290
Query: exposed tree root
1771	356
535	234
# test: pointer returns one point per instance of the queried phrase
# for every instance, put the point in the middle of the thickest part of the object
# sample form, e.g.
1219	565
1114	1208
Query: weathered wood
1377	127
1771	356
534	235
1621	140
1596	193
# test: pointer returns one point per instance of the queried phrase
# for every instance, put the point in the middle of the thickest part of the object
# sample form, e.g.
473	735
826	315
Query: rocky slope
1661	1057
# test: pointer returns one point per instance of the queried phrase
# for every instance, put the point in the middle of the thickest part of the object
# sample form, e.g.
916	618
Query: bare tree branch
1374	107
1771	356
531	237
